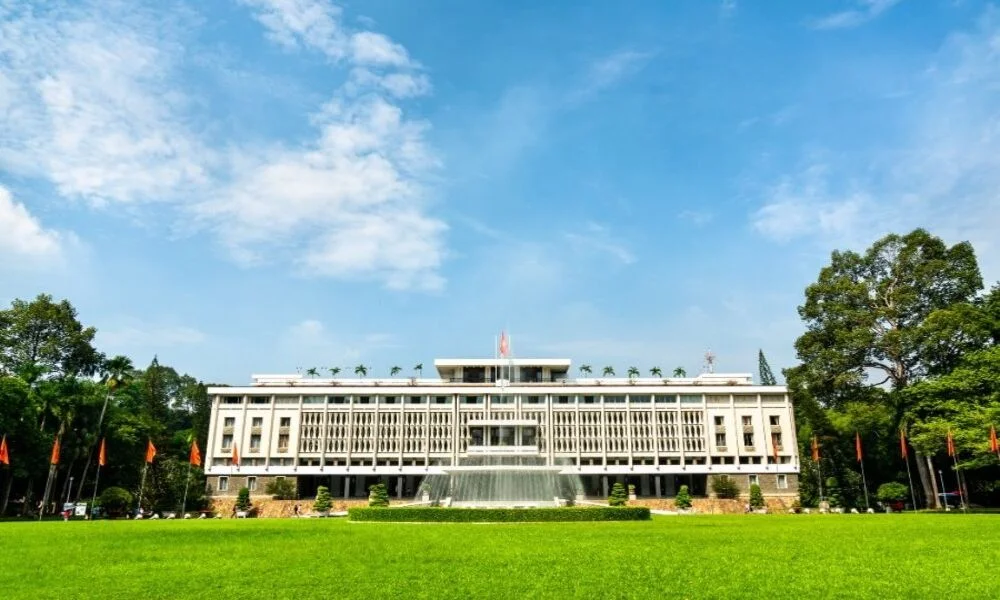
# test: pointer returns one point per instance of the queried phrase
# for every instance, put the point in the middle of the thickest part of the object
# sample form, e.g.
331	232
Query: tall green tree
46	338
868	321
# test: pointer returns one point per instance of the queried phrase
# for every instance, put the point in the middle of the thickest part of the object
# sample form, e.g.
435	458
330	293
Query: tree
655	372
725	487
766	376
361	371
633	372
609	371
680	372
243	503
618	495
115	501
378	495
683	498
394	371
334	371
281	488
419	369
45	339
585	370
322	503
312	372
756	497
870	314
892	492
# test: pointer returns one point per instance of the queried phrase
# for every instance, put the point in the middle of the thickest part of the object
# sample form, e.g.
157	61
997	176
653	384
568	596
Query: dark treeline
901	338
54	382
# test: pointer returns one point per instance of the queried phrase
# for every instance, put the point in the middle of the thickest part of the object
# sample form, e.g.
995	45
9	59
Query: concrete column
656	484
347	487
644	485
604	485
399	487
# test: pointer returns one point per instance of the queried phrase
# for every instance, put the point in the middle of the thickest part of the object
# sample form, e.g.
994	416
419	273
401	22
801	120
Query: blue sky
260	185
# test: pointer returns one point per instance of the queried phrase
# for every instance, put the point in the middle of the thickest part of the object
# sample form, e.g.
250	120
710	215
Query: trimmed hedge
498	515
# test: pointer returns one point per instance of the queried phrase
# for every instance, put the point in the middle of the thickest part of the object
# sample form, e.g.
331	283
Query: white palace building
497	416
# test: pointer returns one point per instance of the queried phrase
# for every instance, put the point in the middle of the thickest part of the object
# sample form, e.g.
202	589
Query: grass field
761	557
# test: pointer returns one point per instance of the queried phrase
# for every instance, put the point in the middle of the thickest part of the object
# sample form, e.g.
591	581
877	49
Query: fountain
495	481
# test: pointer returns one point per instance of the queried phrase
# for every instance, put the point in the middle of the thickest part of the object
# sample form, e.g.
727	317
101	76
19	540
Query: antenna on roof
709	362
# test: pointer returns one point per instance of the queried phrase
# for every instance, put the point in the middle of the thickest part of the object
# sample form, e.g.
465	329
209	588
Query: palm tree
585	370
609	371
419	369
633	372
394	371
334	371
680	372
312	372
117	371
361	370
655	372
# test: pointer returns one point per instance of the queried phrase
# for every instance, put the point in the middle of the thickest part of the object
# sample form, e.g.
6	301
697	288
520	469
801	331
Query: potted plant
631	492
425	491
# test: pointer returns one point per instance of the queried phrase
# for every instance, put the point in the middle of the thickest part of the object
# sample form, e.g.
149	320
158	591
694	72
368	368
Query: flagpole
958	478
187	481
865	482
93	500
48	490
909	476
142	485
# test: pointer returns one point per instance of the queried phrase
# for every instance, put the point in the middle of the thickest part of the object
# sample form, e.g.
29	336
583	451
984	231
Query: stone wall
267	507
768	485
715	506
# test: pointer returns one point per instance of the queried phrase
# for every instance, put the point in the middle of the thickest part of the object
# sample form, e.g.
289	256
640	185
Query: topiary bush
378	496
322	503
683	498
499	515
725	487
756	497
115	501
892	492
281	489
618	496
243	500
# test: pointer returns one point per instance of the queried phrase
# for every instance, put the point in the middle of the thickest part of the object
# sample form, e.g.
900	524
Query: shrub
378	495
756	498
892	492
115	501
618	496
243	500
281	489
725	487
631	490
499	515
683	498
322	503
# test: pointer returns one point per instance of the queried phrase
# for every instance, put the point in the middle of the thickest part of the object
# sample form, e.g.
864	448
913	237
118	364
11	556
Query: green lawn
761	557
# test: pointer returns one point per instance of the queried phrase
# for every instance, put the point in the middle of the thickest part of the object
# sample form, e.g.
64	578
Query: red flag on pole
195	458
994	444
102	456
55	452
150	451
902	445
951	444
857	445
815	449
504	345
236	456
4	457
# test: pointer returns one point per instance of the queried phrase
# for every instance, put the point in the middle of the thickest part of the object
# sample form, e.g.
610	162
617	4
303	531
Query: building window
363	400
782	482
720	439
232	400
774	420
719	421
472	399
505	399
223	484
227	442
563	399
285	422
640	399
776	440
389	400
338	399
614	399
229	422
442	399
665	399
257	422
747	421
533	399
260	399
252	483
283	442
748	440
753	479
589	399
254	443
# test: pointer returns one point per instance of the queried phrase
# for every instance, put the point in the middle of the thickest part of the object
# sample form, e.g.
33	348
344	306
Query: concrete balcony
284	430
503	450
227	430
748	429
722	449
775	428
749	448
720	429
256	430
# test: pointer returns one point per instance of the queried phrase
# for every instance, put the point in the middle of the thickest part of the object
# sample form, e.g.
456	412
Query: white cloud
88	103
596	238
867	10
23	237
728	8
312	24
943	173
368	47
608	71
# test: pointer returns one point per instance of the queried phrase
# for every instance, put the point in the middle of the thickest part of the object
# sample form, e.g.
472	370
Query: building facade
653	433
